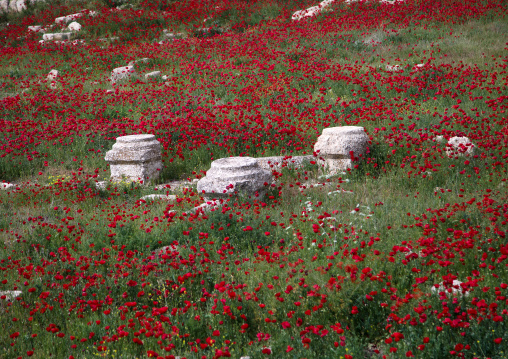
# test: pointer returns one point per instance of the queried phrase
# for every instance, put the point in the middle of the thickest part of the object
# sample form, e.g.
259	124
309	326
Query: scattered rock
337	144
60	36
153	74
394	68
156	197
455	288
234	174
460	146
6	185
135	158
35	28
309	12
74	26
52	76
205	207
144	60
439	139
278	162
122	73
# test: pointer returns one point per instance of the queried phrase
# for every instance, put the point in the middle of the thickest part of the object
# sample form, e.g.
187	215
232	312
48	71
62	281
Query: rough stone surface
336	144
157	197
10	294
455	288
74	26
67	18
309	12
59	36
460	146
394	68
135	158
153	74
35	28
6	186
234	174
122	73
278	162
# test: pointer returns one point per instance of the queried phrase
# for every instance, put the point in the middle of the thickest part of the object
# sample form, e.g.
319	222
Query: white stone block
232	175
454	288
122	73
336	144
35	28
135	158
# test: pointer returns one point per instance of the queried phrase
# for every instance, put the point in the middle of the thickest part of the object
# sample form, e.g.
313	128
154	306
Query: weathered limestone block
234	174
455	288
52	76
67	18
310	12
59	36
336	144
394	68
460	146
278	162
157	197
6	185
7	297
122	73
153	74
135	158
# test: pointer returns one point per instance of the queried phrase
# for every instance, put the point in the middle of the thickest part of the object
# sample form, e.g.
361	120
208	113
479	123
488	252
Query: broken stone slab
135	158
144	60
157	197
176	185
35	28
455	288
60	36
460	146
122	73
68	18
10	295
153	74
170	36
394	68
6	185
74	26
337	144
205	207
52	76
309	12
278	162
231	175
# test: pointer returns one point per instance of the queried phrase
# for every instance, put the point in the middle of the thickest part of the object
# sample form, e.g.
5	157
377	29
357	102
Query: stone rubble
59	36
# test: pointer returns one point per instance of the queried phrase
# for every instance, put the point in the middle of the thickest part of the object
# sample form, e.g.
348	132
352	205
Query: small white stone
74	26
310	12
66	19
35	28
10	295
439	139
59	36
157	197
122	73
395	68
456	288
460	146
153	74
6	185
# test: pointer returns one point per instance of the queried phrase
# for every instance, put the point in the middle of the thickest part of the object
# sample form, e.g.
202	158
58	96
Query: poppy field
403	255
